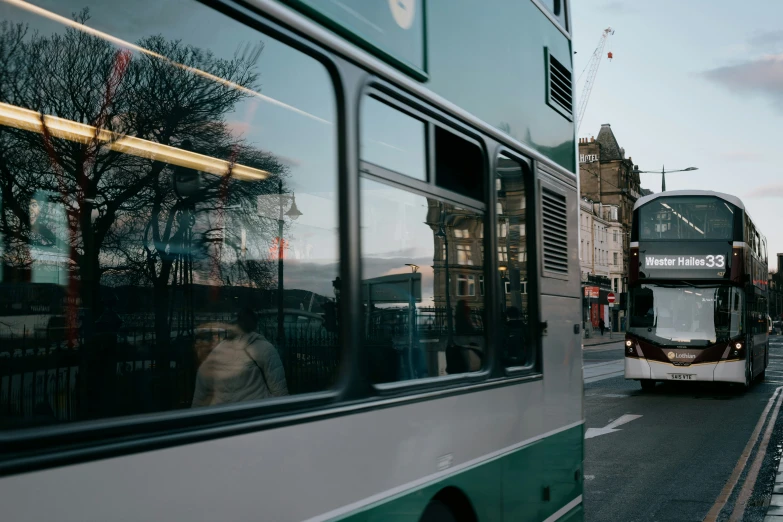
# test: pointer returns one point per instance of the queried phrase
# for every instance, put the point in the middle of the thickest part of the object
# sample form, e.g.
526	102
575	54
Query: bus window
424	315
513	261
207	208
686	218
392	139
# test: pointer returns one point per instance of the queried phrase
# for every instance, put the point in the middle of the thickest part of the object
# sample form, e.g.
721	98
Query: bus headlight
629	343
738	346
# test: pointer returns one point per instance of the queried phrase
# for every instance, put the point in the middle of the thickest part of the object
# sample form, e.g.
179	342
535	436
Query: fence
45	380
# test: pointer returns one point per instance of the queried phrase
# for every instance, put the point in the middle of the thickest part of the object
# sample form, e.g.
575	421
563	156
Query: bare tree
124	220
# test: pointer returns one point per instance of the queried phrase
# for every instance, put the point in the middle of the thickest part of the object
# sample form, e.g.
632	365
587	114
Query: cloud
773	190
766	39
761	76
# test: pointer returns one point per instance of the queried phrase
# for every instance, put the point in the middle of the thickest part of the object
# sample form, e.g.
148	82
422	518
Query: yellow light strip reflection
122	43
25	119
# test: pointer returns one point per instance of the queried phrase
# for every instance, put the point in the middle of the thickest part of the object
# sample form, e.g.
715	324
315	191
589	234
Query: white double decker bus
314	261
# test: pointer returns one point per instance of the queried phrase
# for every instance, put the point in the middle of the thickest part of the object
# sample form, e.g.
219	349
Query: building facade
610	188
603	262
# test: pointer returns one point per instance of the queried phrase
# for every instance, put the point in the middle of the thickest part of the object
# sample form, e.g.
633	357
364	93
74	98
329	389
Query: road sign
610	298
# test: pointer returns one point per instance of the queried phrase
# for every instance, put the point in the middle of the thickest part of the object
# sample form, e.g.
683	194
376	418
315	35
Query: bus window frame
58	441
566	30
399	100
535	367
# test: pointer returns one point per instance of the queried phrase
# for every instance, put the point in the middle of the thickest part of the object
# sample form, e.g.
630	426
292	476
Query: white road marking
605	370
611	427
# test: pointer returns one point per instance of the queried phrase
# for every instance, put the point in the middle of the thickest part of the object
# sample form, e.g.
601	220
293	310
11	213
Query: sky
692	83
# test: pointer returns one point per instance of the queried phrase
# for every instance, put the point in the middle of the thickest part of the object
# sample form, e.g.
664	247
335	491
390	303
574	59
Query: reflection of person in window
245	367
463	322
40	235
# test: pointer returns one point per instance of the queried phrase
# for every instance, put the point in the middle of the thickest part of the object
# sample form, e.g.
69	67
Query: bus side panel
542	479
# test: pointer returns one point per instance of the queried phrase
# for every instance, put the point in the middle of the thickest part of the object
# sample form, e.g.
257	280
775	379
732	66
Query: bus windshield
680	217
686	315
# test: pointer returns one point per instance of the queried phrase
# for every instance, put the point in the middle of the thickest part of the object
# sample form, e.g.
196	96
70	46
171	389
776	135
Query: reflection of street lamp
414	268
442	235
662	172
293	213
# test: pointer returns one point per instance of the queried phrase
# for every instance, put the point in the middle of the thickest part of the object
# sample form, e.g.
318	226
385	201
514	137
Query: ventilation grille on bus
560	88
555	223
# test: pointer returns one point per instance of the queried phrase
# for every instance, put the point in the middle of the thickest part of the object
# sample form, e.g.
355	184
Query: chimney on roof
592	139
780	263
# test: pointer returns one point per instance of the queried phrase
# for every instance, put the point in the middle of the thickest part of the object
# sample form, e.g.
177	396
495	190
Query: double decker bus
697	291
213	169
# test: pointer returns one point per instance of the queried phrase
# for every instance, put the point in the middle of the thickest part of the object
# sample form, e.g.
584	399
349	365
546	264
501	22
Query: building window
503	254
615	236
466	285
464	255
614	255
461	233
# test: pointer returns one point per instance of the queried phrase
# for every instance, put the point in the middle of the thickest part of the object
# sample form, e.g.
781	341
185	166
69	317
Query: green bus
314	260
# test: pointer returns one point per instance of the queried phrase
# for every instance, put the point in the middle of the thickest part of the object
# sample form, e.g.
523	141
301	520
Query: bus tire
748	373
647	384
437	511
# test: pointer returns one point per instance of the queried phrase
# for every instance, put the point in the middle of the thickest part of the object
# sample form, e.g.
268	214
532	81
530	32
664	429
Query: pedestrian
601	325
243	368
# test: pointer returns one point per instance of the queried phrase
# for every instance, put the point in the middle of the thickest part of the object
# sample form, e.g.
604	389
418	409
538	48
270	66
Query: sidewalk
598	339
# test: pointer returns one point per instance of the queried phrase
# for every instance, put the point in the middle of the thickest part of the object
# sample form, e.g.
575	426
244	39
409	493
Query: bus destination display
684	262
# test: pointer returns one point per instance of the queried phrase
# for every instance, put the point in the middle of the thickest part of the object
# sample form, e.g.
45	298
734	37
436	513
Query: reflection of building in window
464	256
522	287
511	224
463	231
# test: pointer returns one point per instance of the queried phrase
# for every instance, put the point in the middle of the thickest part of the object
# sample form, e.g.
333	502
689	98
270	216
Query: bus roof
734	200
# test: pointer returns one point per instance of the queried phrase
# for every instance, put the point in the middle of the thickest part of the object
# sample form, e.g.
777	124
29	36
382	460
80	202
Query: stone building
603	261
609	184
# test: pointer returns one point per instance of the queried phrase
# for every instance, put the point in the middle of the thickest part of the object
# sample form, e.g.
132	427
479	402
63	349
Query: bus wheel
437	511
647	384
763	374
748	373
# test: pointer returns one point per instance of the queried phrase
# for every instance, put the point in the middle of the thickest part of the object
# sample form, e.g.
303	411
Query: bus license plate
682	376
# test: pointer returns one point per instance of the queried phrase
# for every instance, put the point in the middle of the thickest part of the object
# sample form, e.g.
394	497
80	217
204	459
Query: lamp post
444	237
662	172
293	213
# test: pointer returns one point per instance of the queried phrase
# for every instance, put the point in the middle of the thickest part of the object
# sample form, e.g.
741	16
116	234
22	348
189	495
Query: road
667	455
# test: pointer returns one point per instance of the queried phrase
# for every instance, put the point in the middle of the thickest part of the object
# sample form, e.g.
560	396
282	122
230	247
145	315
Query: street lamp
662	172
414	268
444	237
293	213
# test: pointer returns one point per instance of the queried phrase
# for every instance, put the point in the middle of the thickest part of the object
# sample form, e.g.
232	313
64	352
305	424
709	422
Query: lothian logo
671	355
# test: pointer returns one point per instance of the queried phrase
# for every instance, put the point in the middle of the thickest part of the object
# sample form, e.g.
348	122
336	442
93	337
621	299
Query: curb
619	339
775	510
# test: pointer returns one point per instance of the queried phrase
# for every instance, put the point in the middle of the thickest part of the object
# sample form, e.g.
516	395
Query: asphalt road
668	454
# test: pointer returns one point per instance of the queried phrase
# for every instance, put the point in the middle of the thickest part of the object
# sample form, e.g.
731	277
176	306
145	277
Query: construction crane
592	70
